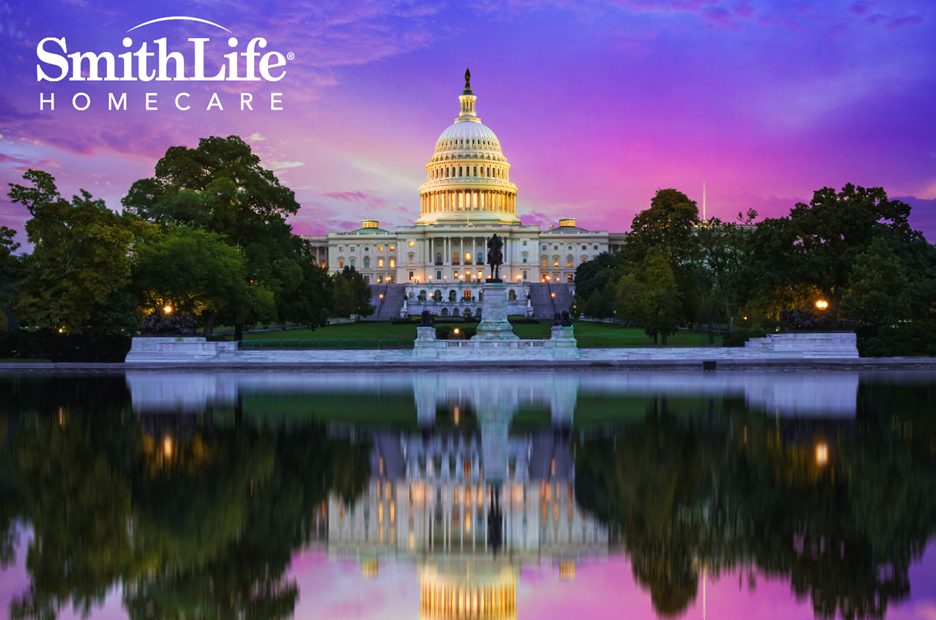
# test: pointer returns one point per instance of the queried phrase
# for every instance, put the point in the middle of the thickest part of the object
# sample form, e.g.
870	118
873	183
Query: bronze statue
495	257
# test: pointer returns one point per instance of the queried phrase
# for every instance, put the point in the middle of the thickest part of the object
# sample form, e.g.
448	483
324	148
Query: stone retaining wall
560	347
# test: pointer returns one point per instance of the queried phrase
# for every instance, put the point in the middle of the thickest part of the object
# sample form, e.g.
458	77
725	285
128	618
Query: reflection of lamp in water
567	570
822	454
370	567
456	410
167	447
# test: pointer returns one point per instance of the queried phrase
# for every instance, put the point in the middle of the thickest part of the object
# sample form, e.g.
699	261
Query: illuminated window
380	248
379	263
392	248
392	262
411	243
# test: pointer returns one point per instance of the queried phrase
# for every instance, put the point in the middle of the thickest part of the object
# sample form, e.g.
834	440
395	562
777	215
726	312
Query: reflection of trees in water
203	525
740	490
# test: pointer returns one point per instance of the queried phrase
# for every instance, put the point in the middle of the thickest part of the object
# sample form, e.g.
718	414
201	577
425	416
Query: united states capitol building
438	262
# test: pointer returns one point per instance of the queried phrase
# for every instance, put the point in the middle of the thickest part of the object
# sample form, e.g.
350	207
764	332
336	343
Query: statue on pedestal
495	257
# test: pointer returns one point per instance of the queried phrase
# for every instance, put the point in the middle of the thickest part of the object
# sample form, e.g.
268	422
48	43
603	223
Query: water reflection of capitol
459	494
469	506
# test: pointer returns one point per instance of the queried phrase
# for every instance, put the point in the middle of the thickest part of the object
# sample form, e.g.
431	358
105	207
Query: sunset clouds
596	104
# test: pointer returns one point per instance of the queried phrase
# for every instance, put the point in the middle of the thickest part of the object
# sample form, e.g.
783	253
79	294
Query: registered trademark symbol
290	56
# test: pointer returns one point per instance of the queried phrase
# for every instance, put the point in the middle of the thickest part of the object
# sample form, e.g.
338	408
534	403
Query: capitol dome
468	176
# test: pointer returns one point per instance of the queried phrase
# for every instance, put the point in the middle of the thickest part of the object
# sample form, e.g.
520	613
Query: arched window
467	313
421	296
452	295
570	261
454	258
466	295
436	295
352	261
444	312
526	257
367	262
512	295
555	261
454	311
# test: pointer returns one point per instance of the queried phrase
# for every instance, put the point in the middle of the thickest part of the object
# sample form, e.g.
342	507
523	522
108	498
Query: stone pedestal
425	333
494	324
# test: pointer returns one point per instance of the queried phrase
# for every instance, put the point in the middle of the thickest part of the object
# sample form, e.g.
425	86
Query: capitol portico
467	197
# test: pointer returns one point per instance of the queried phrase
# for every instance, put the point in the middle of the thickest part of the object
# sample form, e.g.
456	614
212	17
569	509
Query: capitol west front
439	262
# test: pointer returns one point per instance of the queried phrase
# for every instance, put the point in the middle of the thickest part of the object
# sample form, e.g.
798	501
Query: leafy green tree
723	249
221	186
9	272
594	284
352	294
197	273
649	296
879	285
76	277
668	225
816	246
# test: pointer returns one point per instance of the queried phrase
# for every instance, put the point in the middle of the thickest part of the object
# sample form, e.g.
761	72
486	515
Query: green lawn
589	335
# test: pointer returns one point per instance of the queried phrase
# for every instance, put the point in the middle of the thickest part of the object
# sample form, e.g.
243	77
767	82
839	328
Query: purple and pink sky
597	104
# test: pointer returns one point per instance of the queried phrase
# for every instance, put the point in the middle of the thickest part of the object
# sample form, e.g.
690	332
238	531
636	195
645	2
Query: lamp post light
822	305
168	309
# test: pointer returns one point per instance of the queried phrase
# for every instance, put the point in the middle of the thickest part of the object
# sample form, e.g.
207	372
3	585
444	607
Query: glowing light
168	309
167	447
822	454
822	304
456	331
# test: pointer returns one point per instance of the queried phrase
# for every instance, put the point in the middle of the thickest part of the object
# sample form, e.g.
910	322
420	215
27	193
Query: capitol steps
545	306
390	306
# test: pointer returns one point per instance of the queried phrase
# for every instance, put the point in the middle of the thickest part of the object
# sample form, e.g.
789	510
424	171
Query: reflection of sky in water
506	458
601	590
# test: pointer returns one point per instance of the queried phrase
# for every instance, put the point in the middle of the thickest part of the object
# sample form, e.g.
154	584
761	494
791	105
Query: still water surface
468	495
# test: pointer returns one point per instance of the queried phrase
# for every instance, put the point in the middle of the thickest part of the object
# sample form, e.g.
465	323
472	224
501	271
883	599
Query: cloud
277	166
256	137
358	196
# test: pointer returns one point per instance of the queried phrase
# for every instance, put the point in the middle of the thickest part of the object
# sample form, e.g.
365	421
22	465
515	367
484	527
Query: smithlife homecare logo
152	61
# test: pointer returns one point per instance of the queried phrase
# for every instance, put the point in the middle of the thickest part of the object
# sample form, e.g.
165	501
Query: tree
197	273
878	291
594	284
668	225
221	186
816	246
723	249
352	294
9	272
649	296
76	276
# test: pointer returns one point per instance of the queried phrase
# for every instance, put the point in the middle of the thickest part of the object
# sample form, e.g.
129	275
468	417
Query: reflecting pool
466	494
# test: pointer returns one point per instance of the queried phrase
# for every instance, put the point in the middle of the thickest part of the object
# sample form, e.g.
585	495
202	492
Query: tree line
847	259
205	237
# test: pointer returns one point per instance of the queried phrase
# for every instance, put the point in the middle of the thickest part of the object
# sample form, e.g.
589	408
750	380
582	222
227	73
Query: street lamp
822	305
167	309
